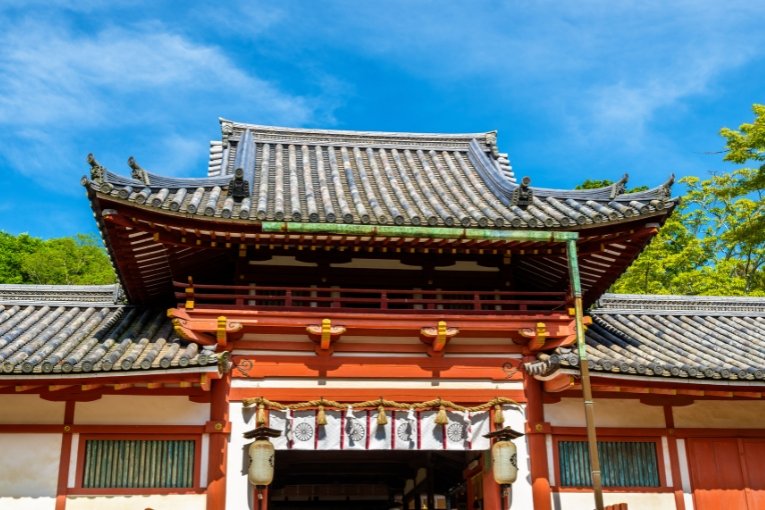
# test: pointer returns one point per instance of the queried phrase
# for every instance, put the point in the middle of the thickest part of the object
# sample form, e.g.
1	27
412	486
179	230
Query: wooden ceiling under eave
151	248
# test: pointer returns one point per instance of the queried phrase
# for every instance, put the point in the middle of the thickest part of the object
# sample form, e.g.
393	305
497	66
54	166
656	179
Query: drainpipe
589	416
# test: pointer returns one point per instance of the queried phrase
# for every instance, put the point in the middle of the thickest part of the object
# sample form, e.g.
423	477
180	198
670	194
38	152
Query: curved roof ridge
18	293
662	191
160	181
667	304
356	133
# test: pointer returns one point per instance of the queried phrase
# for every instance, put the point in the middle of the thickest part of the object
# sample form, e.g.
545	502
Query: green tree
65	261
12	250
714	243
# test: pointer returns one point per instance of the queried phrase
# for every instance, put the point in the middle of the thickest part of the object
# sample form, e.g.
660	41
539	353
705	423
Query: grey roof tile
301	175
48	329
697	337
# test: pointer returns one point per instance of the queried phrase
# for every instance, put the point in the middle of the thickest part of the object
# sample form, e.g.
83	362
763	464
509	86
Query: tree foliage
65	261
714	243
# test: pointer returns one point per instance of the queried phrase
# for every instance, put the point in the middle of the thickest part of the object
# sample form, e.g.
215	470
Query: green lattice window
138	464
622	463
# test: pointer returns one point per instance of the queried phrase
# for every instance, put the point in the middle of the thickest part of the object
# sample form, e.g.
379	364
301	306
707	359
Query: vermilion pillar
218	428
540	484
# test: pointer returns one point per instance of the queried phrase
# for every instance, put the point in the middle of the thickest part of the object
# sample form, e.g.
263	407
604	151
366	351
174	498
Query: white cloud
603	68
60	88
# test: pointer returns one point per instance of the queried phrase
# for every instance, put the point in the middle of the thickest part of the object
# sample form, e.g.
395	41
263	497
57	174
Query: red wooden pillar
218	428
491	489
674	458
540	484
66	452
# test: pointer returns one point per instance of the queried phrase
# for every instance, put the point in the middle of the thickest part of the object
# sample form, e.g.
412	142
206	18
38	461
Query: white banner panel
359	430
380	436
329	434
303	430
355	431
458	431
278	420
405	434
431	433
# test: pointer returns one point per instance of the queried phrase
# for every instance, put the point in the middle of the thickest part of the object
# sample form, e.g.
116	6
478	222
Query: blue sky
579	89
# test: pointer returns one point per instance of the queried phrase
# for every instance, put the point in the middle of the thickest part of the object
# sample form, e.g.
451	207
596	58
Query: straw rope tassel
382	419
321	416
260	418
441	417
499	420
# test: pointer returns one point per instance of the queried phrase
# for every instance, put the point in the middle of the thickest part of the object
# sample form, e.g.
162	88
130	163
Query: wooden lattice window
129	463
622	463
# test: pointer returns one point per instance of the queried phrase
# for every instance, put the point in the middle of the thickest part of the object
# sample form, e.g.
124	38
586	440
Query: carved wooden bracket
207	331
536	336
437	337
560	382
325	334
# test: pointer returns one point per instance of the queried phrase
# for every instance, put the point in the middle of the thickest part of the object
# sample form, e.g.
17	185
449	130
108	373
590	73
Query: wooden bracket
437	337
219	332
561	382
325	334
536	336
190	295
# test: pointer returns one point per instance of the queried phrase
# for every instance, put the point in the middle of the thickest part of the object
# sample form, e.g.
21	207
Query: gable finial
619	186
138	172
97	172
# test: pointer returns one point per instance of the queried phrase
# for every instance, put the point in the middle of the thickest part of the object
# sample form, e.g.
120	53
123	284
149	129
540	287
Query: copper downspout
589	415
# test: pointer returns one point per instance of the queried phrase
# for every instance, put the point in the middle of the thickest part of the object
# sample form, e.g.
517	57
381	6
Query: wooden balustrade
368	300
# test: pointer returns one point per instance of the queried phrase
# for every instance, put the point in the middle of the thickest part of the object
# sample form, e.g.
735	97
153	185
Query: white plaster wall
720	414
138	502
238	489
47	503
29	470
609	412
141	410
23	409
585	500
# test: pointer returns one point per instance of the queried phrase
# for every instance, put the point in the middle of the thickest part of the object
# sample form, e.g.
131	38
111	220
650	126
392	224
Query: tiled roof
375	178
688	337
47	329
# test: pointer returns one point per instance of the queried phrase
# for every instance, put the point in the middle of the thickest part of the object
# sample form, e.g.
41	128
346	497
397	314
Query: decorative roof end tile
138	173
97	172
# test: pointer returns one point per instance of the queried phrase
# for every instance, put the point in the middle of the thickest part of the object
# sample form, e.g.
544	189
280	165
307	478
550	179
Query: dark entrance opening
369	480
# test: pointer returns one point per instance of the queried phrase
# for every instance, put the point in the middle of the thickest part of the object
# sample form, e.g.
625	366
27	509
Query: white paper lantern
504	460
261	471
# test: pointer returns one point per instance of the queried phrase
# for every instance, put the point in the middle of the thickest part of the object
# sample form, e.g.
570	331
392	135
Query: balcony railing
368	300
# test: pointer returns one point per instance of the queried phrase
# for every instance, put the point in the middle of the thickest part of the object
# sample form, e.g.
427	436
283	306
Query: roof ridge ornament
667	186
138	172
620	186
491	141
97	172
523	195
226	130
238	187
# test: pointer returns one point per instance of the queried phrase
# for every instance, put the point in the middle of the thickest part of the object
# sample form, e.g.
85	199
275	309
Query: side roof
671	337
375	178
86	330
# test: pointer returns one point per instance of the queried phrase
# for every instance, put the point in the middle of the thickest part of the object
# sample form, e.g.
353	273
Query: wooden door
726	473
753	453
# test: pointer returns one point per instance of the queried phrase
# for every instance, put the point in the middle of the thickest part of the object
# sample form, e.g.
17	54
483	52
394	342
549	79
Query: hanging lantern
261	451
504	456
